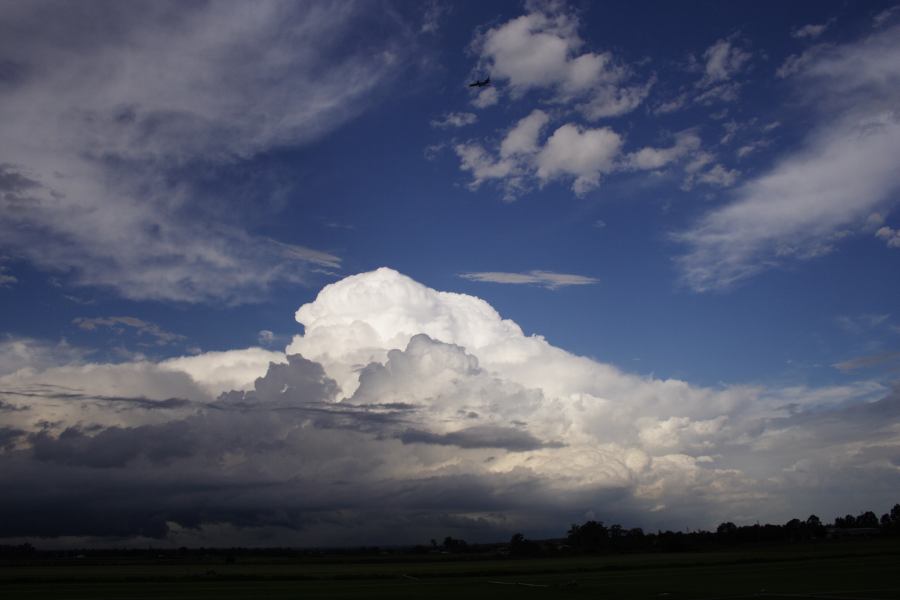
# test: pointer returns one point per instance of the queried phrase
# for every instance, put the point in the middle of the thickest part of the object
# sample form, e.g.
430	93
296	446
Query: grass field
868	570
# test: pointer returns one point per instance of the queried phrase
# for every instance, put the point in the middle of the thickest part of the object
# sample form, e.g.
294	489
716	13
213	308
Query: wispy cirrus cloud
801	207
546	279
106	118
140	326
810	31
455	120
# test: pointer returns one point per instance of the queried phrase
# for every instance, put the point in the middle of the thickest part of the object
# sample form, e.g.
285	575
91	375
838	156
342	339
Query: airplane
480	83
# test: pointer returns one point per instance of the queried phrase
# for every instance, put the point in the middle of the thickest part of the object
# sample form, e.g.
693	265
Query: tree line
595	536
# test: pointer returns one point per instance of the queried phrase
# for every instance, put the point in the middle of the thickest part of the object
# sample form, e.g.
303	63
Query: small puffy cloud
523	137
483	166
724	59
613	101
810	32
547	279
890	236
534	50
584	154
649	158
486	97
455	120
685	150
569	152
542	50
719	176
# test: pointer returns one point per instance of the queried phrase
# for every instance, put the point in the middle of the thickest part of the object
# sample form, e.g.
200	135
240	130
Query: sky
274	273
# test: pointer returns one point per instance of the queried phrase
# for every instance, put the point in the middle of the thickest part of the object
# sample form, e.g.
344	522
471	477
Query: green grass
857	570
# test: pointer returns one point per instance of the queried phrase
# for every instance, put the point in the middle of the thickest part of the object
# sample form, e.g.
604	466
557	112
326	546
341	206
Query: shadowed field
847	571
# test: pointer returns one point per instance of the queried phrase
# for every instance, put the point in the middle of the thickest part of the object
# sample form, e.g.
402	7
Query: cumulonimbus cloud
404	404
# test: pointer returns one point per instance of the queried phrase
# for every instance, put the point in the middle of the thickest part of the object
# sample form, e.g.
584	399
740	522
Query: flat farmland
867	570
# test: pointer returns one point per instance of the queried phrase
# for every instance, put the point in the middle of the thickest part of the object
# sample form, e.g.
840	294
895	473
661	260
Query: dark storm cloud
11	180
289	458
9	436
115	446
479	436
7	407
290	449
15	188
72	395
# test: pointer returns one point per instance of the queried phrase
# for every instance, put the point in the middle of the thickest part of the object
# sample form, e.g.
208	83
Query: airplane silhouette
480	83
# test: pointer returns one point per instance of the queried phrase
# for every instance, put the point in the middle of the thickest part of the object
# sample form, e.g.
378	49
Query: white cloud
584	154
656	158
454	120
748	149
796	63
614	101
23	352
542	50
535	50
431	404
523	137
810	31
722	92
890	236
672	105
723	60
570	152
547	279
886	15
806	202
486	97
687	151
109	107
720	176
483	167
217	372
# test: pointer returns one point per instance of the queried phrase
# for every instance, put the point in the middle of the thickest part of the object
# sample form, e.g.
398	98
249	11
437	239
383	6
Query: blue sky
704	193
